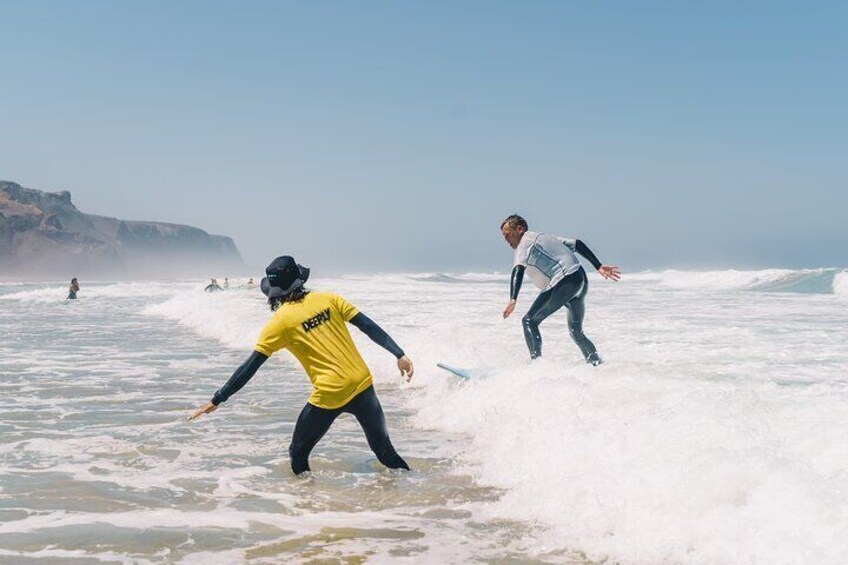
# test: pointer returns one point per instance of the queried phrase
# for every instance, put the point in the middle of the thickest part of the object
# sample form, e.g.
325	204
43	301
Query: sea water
715	432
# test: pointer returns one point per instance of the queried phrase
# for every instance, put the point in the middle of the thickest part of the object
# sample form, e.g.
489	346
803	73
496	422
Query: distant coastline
43	235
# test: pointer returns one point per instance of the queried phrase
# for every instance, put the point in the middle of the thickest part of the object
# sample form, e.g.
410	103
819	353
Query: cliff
44	234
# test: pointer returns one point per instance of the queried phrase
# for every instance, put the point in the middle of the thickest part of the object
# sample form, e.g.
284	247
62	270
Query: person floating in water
73	289
552	264
226	282
312	326
250	283
212	286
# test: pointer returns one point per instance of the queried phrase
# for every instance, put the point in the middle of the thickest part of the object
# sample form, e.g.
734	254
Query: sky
395	136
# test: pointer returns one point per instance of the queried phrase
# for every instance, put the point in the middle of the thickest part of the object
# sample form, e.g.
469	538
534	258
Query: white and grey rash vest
547	258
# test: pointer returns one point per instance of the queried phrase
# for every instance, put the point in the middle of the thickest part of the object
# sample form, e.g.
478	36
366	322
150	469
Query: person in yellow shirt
312	325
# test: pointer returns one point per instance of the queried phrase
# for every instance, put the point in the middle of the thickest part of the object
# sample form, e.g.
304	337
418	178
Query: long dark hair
294	296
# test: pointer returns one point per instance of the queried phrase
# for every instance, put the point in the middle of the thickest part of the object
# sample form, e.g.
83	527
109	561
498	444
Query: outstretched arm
377	334
607	271
581	248
239	378
384	340
515	281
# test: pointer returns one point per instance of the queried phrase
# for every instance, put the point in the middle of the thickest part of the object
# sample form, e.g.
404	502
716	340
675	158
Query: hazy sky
396	135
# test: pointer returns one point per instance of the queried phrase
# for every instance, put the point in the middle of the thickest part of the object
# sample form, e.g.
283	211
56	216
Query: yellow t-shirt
314	330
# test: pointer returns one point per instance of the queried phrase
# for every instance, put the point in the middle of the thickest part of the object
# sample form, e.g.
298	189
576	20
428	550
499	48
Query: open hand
509	308
207	408
610	272
406	368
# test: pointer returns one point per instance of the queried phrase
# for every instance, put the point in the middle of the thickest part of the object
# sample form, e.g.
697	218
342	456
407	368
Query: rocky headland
42	234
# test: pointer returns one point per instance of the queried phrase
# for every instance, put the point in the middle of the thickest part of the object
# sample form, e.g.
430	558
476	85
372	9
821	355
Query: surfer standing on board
312	326
552	264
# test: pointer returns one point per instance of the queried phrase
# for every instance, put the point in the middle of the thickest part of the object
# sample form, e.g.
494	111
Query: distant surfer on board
312	326
552	264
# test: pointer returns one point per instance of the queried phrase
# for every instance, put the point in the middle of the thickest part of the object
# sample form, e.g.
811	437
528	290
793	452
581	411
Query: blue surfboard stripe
461	373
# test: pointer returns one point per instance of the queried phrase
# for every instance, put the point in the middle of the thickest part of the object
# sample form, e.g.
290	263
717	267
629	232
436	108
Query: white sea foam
713	434
723	280
97	291
840	283
645	469
232	318
807	281
51	294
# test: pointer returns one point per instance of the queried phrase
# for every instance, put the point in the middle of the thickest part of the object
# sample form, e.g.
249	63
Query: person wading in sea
312	325
73	289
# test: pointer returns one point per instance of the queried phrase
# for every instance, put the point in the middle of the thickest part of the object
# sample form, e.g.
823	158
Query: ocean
714	433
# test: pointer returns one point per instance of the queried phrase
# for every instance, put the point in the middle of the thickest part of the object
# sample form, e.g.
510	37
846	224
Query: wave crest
806	281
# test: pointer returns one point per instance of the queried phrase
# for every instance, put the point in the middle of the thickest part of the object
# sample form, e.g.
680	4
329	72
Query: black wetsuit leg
576	309
311	426
569	292
369	413
539	310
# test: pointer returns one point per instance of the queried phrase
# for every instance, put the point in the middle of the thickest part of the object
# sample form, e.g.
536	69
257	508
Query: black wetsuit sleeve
377	334
515	281
240	377
583	250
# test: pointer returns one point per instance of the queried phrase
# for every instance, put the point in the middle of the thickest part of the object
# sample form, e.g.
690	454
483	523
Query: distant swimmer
250	283
226	282
213	286
552	264
312	326
73	289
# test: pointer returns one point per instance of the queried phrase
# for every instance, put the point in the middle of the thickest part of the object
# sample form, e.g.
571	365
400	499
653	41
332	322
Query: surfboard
461	373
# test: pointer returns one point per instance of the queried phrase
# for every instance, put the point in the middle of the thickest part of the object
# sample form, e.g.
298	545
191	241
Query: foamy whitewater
714	433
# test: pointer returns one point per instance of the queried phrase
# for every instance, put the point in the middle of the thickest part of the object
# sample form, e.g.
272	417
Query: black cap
283	276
